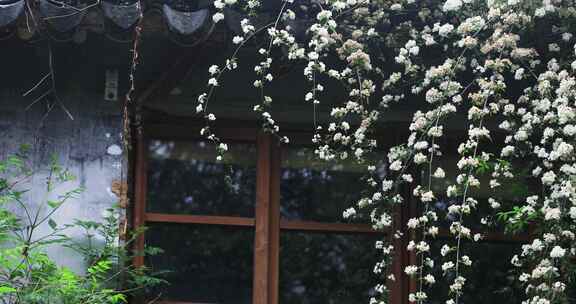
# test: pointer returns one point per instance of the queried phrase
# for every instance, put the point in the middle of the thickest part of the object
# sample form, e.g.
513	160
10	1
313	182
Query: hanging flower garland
509	64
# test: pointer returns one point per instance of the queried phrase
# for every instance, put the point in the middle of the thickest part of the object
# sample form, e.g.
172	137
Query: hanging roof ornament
61	16
184	22
9	11
123	14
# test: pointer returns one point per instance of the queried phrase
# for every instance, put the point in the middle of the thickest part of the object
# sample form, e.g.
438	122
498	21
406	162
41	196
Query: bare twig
41	81
41	97
76	10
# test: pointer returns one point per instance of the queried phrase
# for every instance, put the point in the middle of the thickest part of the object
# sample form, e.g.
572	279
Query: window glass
506	196
490	279
326	268
315	190
203	263
185	178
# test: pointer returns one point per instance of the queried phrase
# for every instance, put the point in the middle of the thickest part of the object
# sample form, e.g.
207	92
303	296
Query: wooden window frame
266	221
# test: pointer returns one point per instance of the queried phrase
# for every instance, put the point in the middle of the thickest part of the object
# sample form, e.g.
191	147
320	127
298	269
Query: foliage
28	275
505	68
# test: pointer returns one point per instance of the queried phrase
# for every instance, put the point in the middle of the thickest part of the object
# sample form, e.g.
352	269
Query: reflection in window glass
507	196
326	268
315	190
490	279
203	264
184	178
472	220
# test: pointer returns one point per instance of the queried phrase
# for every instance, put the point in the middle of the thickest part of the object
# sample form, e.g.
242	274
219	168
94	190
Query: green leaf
52	224
118	298
6	289
53	204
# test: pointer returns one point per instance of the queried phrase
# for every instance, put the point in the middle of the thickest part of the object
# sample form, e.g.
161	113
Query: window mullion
140	185
262	222
274	239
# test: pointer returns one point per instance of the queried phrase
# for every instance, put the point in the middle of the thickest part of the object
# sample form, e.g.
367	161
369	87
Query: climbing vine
506	67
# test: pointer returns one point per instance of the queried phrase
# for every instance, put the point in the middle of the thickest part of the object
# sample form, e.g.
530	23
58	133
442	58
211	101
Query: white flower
217	17
211	117
447	266
253	3
423	247
537	245
396	165
493	203
429	279
213	69
573	213
349	213
439	173
420	158
324	15
213	82
427	196
237	39
387	185
552	214
519	74
548	178
413	223
569	130
218	4
452	5
557	252
444	250
445	30
411	270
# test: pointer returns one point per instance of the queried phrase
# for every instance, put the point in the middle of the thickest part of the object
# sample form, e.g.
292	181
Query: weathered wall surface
89	145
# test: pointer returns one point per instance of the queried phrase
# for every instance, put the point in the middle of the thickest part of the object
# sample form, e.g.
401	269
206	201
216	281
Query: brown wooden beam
140	184
198	219
261	287
327	227
274	237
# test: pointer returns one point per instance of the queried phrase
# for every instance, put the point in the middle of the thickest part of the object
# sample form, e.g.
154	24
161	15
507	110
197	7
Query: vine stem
262	79
426	207
464	197
221	72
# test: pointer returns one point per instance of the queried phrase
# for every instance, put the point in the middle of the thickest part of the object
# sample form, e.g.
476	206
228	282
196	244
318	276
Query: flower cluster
453	62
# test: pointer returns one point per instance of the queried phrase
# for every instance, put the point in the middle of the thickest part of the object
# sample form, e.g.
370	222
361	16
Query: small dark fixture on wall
187	21
111	85
62	16
184	22
123	14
